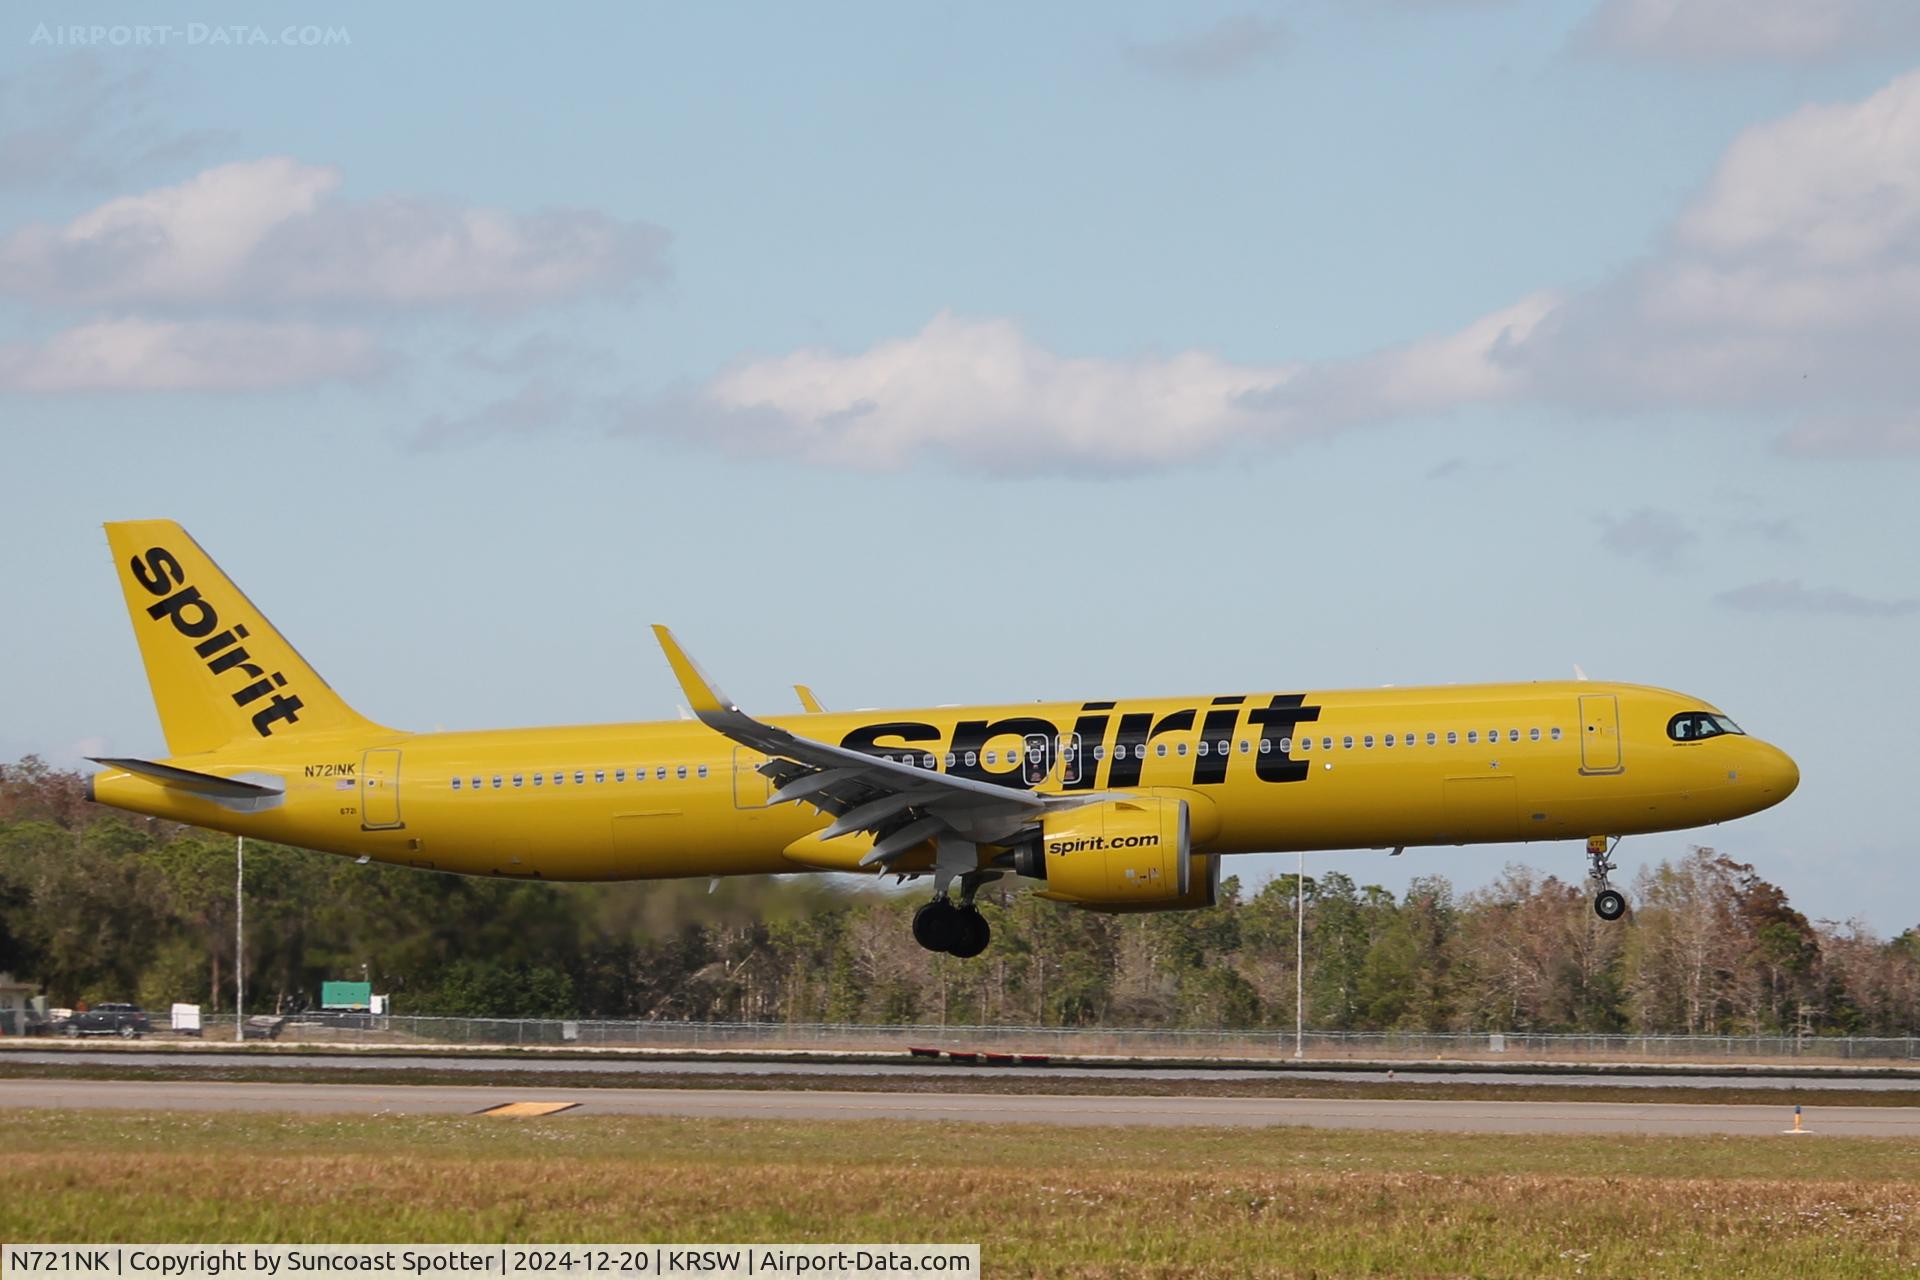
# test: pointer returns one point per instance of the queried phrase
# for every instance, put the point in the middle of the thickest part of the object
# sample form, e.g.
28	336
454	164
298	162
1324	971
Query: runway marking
528	1109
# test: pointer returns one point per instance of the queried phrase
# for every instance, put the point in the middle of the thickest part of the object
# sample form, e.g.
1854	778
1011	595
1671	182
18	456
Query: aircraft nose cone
1777	774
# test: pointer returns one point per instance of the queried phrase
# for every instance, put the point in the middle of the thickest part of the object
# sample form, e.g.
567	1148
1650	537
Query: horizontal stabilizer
202	784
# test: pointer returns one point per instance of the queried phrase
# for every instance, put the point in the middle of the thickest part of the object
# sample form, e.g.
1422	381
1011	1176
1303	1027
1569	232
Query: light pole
239	938
1300	959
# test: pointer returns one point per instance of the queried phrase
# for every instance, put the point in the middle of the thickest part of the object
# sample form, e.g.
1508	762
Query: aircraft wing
902	804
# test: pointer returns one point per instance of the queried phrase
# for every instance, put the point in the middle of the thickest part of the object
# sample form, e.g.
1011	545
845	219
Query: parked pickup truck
122	1020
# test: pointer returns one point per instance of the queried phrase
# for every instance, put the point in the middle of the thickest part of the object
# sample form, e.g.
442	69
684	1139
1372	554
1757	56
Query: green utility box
346	995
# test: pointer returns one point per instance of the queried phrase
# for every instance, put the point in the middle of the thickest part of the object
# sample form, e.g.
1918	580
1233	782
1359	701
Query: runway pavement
1329	1113
215	1060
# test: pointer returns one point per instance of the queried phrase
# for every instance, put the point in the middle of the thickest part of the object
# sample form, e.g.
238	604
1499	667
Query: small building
15	999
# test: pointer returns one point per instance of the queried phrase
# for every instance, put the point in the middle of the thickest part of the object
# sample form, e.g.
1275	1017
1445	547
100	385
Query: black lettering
234	657
1211	768
867	737
1278	720
974	735
1129	749
258	689
174	607
281	708
214	644
1092	732
159	573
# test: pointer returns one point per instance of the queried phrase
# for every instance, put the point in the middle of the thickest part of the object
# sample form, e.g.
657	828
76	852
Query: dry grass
1054	1202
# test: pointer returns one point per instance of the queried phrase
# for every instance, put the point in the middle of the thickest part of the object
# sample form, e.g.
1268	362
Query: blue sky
935	355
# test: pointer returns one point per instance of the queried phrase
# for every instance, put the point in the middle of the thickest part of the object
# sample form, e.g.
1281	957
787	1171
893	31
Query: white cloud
1787	291
276	231
150	355
983	392
1750	30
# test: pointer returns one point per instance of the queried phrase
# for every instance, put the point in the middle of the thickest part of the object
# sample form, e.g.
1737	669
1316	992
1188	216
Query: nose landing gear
1608	903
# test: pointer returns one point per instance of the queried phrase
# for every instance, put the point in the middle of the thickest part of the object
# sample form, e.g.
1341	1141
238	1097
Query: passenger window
1533	735
599	775
928	762
950	760
1388	741
973	759
1266	746
1430	739
1513	735
1222	747
476	784
1180	749
1160	748
1326	744
1368	740
1245	746
518	779
703	771
660	774
536	779
580	776
619	775
1554	733
1347	742
1099	751
1473	736
1200	747
1139	751
680	772
496	782
456	784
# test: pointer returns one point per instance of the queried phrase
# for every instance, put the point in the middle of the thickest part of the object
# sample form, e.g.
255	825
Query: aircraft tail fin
219	670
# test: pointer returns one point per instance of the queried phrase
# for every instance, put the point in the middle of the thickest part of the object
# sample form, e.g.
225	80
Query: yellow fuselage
1338	770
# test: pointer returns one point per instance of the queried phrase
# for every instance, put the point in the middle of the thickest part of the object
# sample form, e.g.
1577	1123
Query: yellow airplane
1112	804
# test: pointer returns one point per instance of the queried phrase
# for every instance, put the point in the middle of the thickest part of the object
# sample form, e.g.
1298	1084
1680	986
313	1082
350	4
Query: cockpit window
1692	726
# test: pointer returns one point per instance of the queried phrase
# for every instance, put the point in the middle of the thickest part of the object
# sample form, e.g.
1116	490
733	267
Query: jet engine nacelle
1122	855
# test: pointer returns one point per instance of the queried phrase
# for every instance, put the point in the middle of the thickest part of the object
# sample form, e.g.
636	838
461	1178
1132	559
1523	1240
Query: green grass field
1041	1201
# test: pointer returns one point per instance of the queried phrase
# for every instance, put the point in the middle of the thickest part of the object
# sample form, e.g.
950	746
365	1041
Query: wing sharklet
715	710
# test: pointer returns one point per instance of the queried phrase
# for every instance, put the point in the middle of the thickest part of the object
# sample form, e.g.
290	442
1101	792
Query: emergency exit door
1600	733
380	790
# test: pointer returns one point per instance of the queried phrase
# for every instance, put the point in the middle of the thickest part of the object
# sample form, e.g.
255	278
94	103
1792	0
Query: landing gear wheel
1610	904
971	934
936	926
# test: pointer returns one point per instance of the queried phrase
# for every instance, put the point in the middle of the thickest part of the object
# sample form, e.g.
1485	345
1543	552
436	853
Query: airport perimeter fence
381	1030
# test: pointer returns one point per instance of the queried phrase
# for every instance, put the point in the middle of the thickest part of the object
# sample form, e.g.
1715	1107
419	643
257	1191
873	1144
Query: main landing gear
1609	903
959	930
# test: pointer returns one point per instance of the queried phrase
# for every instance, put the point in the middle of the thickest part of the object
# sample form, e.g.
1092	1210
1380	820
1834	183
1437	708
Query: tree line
99	905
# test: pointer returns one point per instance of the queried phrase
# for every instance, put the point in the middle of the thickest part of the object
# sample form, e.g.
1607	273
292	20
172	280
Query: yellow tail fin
220	672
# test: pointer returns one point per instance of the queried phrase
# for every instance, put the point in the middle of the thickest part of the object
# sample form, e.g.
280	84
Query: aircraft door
1043	752
1600	733
380	790
1036	762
